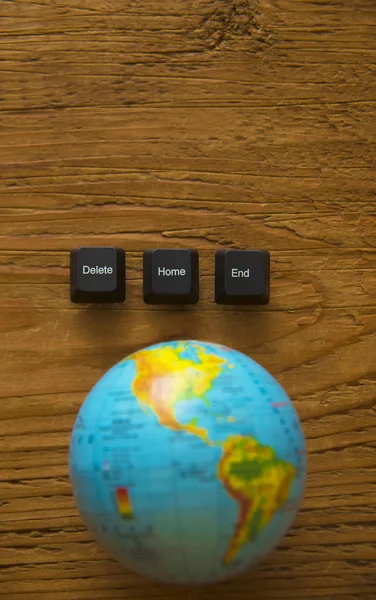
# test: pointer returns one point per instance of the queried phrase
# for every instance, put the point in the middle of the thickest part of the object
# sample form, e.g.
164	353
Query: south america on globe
187	462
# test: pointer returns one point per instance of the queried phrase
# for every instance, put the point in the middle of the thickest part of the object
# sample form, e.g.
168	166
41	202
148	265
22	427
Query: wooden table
204	124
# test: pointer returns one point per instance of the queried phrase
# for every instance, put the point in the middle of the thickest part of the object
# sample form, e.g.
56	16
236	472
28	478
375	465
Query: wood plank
320	349
155	225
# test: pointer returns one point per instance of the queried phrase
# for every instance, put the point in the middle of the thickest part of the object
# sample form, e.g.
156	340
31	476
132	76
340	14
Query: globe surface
187	462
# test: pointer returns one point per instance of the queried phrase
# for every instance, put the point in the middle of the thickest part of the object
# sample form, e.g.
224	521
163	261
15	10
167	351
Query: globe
187	462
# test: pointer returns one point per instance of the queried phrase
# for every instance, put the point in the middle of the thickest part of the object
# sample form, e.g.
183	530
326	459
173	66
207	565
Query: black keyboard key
97	274
242	277
171	276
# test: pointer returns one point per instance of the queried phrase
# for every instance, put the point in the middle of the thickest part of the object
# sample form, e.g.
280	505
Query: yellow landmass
251	473
164	378
258	481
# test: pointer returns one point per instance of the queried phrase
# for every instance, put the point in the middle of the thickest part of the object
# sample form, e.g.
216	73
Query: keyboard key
97	274
242	277
171	276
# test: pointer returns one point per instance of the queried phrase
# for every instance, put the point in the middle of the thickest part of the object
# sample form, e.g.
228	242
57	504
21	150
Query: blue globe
187	462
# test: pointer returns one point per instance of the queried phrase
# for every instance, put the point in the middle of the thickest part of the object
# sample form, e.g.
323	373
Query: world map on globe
187	462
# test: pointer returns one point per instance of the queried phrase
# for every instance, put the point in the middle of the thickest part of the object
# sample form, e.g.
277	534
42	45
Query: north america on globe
251	473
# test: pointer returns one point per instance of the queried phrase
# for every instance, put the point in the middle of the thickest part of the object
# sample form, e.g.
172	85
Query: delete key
97	274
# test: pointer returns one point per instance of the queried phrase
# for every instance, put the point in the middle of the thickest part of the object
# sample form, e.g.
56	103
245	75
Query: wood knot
231	20
243	17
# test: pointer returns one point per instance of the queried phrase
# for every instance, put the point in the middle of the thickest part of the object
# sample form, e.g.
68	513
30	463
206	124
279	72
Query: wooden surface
205	124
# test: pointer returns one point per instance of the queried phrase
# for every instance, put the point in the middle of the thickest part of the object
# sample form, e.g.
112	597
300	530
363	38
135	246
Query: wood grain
205	124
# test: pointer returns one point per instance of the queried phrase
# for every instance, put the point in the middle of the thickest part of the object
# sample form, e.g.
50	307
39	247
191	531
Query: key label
86	270
171	272
238	273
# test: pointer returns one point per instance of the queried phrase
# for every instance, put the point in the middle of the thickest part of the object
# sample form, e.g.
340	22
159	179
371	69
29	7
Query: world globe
187	462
